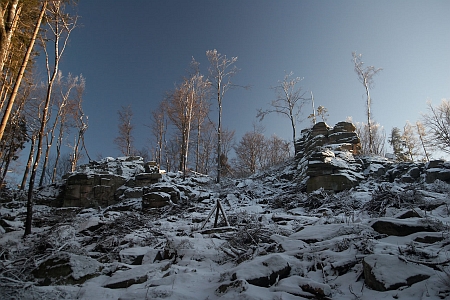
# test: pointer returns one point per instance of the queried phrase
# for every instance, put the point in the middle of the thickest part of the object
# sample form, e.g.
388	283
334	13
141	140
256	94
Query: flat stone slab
386	272
124	279
318	233
400	227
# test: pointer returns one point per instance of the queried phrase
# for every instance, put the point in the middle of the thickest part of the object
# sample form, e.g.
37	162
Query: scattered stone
66	268
238	286
137	275
133	256
386	272
399	227
303	287
262	271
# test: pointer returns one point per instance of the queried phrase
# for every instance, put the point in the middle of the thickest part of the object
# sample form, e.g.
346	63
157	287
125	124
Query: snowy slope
377	241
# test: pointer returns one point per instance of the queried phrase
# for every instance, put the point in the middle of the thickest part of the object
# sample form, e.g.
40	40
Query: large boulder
386	272
66	268
263	271
400	227
160	195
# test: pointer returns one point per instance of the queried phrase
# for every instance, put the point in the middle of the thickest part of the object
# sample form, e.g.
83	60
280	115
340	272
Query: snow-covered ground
378	241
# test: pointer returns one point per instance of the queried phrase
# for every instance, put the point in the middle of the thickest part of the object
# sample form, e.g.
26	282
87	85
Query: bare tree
424	140
125	139
159	128
205	151
289	102
410	142
437	120
63	106
9	16
250	151
183	105
81	124
378	138
60	25
365	76
277	151
222	69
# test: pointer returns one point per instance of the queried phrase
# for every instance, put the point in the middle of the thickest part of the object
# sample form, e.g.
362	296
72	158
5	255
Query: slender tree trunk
197	157
21	72
421	137
219	134
7	29
58	150
41	132
29	162
369	122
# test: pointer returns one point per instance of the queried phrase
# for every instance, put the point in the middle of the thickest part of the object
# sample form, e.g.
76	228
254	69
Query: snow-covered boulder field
377	240
328	224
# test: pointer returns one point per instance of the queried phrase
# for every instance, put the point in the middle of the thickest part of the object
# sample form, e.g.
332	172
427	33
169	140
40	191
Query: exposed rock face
160	195
91	190
325	156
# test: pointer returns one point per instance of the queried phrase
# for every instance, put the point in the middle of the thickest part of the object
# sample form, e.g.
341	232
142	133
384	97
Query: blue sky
133	52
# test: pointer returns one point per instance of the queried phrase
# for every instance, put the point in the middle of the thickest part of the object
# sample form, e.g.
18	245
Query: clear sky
132	52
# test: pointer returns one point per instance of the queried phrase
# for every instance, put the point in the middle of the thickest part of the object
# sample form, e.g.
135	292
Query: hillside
385	236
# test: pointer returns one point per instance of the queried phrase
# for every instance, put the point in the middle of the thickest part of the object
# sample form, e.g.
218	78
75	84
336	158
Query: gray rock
262	271
399	227
386	272
66	268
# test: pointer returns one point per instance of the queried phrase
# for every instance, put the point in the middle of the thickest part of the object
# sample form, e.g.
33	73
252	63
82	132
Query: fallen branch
425	263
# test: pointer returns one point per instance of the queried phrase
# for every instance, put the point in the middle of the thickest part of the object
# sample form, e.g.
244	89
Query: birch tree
365	76
221	70
125	139
59	26
288	102
410	142
182	107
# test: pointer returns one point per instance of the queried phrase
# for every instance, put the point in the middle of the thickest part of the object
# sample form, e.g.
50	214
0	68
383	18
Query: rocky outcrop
91	190
160	195
325	156
108	181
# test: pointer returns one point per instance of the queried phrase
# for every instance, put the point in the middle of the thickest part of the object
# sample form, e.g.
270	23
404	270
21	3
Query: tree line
186	139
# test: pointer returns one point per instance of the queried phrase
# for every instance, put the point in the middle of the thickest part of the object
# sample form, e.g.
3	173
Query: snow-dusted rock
387	272
262	271
133	256
318	233
303	287
136	275
400	227
66	268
